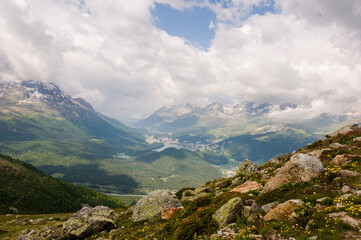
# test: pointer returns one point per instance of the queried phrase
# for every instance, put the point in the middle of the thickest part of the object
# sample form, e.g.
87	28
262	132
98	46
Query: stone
255	237
347	196
282	211
89	220
202	190
357	139
237	181
346	189
217	193
300	168
345	130
247	167
170	212
247	211
313	238
339	160
343	217
247	186
336	145
151	206
320	200
255	207
228	212
268	207
345	173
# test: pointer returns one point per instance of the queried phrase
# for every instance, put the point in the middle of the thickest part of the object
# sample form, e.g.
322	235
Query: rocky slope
313	193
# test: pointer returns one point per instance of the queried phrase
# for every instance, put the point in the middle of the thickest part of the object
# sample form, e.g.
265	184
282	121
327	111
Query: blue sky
195	24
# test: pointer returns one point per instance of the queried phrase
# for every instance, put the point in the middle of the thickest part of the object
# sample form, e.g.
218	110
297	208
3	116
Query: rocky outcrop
89	220
228	212
282	211
152	206
247	167
345	130
301	168
247	186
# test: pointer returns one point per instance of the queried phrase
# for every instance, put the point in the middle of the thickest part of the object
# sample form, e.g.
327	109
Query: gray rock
268	207
347	196
346	189
89	220
151	207
228	212
345	130
247	167
247	211
357	139
237	181
343	217
301	168
345	173
201	190
336	145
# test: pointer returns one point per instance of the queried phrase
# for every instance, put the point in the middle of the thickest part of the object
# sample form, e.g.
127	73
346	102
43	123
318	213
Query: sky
130	58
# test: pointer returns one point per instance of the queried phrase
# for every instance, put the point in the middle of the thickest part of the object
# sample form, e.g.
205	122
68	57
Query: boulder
345	130
339	160
346	173
247	186
336	145
343	217
237	181
247	167
282	211
228	212
357	139
170	212
151	207
89	220
202	190
300	168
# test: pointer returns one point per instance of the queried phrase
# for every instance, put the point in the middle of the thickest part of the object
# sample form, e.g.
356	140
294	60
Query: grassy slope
30	191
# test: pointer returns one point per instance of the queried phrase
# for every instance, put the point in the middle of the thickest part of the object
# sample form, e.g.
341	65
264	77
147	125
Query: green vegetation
25	189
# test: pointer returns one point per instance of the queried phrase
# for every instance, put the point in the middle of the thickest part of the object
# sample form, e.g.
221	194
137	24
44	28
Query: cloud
112	54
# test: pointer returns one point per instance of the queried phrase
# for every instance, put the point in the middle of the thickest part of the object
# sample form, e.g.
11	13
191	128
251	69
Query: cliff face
313	193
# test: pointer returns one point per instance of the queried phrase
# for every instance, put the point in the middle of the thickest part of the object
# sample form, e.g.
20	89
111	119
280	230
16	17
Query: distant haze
116	55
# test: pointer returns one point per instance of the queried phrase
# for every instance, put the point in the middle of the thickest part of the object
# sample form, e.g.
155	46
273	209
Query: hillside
25	189
313	193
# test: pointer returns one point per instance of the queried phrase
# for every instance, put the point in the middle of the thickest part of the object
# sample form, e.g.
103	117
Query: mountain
312	193
42	126
25	189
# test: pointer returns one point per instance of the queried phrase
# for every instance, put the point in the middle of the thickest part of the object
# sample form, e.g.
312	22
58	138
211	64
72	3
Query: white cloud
111	54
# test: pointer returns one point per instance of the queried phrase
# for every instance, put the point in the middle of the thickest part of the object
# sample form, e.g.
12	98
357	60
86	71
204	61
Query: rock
225	233
347	196
151	207
247	167
282	211
247	186
345	130
187	193
345	173
357	139
217	193
228	212
202	190
255	207
255	237
192	198
343	217
272	235
268	207
170	212
89	220
301	168
313	238
336	145
316	186
223	184
320	200
247	211
316	153
339	160
237	181
346	189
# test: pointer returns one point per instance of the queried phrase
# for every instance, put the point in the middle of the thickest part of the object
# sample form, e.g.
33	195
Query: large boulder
228	212
152	206
247	167
301	168
89	220
282	211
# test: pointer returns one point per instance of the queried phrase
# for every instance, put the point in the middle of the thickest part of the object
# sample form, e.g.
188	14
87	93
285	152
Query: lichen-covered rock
282	211
89	220
247	167
151	207
268	207
247	186
201	190
228	212
301	168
